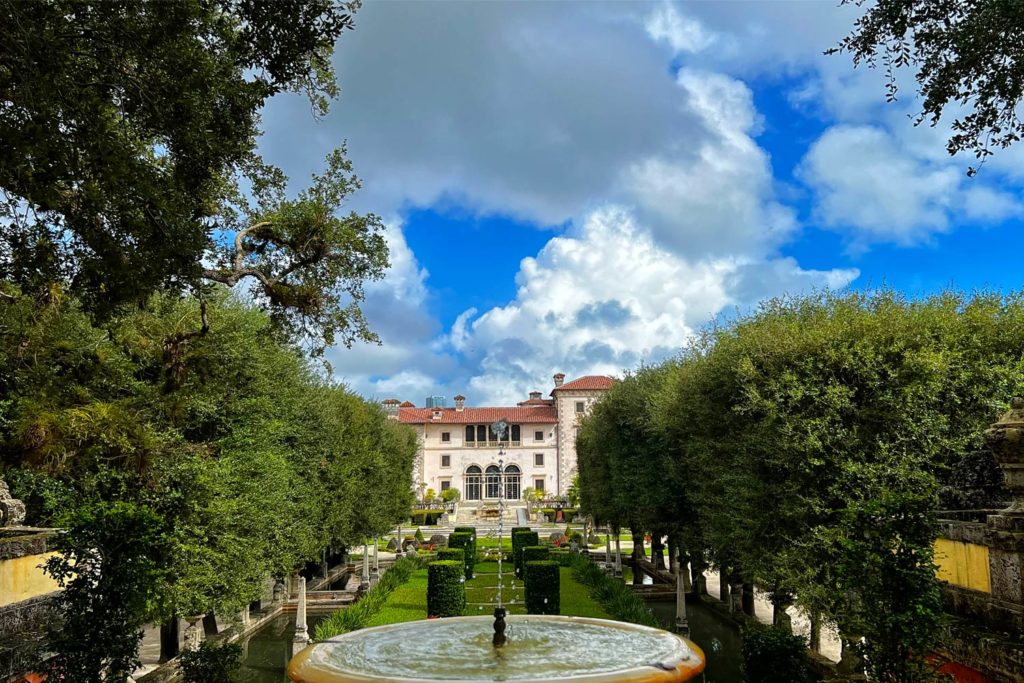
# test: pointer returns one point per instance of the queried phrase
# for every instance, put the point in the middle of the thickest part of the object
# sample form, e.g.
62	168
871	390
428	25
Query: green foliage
465	541
446	589
772	654
358	616
542	586
122	182
966	56
426	517
521	539
802	447
251	460
110	570
451	495
453	554
613	595
211	663
418	536
533	553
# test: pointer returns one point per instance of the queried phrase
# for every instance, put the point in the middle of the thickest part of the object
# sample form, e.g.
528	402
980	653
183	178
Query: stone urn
1005	439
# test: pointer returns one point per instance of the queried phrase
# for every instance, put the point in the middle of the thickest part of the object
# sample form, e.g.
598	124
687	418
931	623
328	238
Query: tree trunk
748	599
170	646
699	583
815	636
673	560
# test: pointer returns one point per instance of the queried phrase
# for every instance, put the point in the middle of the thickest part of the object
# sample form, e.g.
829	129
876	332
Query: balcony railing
491	443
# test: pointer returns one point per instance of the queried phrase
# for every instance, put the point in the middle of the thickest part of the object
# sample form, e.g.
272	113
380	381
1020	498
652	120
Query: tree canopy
968	59
129	158
802	448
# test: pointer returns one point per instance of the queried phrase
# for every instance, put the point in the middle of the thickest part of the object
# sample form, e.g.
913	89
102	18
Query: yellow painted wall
22	578
963	564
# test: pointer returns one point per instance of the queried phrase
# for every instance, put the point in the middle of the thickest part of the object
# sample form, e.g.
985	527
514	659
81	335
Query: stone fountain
541	648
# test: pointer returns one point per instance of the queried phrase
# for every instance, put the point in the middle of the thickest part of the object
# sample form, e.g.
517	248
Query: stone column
376	561
364	579
243	617
280	593
193	636
735	594
682	626
301	639
618	557
1005	536
608	553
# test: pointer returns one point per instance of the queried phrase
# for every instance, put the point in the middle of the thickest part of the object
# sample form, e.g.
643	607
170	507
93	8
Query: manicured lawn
409	601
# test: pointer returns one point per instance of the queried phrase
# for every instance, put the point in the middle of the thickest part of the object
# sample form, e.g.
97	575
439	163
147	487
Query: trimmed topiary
543	585
535	553
520	540
452	554
471	530
465	542
446	589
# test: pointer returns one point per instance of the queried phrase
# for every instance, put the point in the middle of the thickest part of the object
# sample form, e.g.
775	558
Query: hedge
623	603
520	539
356	616
452	554
773	655
551	513
471	530
425	517
536	553
466	542
543	586
446	589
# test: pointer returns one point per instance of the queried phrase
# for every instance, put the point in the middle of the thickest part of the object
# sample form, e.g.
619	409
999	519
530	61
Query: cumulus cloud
873	189
606	298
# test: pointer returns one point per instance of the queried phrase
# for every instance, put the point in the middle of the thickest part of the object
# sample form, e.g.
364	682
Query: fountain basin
539	649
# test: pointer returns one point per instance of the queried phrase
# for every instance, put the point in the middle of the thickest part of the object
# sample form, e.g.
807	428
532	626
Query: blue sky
579	187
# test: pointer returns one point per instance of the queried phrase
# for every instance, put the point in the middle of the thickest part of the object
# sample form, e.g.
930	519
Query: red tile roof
517	415
589	382
536	402
408	404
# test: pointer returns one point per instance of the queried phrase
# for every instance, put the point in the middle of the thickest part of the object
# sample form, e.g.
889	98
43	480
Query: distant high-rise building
436	402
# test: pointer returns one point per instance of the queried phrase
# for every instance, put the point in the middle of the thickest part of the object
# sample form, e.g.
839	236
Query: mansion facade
458	448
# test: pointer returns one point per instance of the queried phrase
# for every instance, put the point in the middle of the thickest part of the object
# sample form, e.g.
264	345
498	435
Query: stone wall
26	596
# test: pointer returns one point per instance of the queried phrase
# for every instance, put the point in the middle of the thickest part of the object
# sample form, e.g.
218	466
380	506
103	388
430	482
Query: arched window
481	433
513	477
470	433
472	482
515	432
492	481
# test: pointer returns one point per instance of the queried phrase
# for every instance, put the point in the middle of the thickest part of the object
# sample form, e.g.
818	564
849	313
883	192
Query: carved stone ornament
12	510
1005	438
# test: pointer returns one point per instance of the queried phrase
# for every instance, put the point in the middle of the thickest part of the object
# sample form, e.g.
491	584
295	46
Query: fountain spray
499	612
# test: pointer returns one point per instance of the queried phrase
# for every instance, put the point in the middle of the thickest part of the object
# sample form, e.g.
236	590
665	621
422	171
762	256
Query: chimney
559	378
460	403
534	395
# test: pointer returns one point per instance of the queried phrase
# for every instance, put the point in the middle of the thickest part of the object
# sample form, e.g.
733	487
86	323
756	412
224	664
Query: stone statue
12	510
499	627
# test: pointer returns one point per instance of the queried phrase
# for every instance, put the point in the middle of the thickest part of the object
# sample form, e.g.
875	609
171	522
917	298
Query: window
445	484
538	484
472	481
512	478
580	405
538	436
446	437
470	433
446	461
538	460
515	432
481	433
492	481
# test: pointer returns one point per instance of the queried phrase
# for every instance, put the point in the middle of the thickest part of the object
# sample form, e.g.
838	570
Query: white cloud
874	189
608	297
682	33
